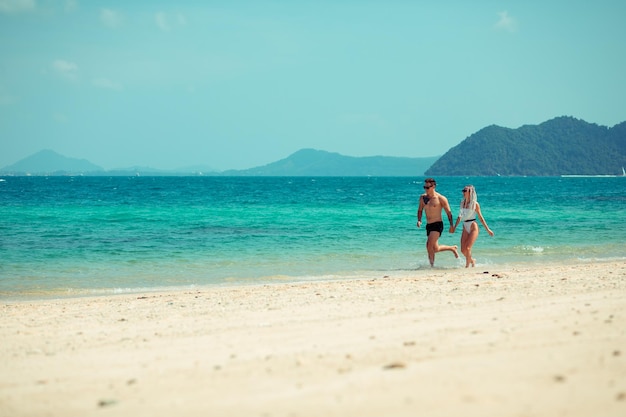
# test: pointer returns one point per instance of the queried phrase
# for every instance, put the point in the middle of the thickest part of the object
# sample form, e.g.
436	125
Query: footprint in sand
394	365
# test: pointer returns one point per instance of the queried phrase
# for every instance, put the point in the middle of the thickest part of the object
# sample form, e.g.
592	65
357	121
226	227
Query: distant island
560	146
312	162
305	162
48	162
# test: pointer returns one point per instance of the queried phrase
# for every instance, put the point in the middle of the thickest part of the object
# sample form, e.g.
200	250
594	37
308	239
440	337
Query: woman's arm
482	220
458	220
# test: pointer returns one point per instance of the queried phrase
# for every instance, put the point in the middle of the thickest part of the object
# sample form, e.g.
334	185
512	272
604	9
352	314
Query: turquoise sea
72	236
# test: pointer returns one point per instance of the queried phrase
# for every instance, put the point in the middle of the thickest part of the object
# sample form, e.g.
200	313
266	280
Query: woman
469	210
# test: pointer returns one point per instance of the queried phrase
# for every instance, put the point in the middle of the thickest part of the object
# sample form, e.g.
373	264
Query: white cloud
6	100
161	20
60	118
166	23
16	6
107	84
111	18
71	5
506	22
65	68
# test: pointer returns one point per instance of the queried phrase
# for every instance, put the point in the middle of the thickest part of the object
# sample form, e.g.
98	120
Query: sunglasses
426	187
465	190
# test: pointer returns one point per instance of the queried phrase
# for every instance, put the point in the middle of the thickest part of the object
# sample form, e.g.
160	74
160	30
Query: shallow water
77	235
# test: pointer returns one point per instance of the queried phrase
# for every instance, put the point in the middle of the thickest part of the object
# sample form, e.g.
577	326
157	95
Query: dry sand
542	340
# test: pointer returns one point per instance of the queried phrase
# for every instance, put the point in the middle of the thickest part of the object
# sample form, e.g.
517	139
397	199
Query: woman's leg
470	239
464	238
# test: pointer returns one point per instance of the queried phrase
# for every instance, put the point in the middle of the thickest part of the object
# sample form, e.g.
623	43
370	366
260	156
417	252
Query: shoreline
87	292
528	339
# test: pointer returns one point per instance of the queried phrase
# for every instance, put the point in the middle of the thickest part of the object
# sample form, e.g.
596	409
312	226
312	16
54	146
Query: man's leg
431	246
440	248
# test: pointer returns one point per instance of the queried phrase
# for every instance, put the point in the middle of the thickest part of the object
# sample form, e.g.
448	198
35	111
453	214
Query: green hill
48	162
311	162
561	146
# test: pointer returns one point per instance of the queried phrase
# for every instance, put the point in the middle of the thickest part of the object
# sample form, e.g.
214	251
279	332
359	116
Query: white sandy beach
542	340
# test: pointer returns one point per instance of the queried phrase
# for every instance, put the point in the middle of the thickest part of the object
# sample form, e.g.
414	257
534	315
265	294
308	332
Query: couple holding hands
434	203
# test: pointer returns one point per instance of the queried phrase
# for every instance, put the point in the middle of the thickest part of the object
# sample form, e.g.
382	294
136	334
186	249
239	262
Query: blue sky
237	84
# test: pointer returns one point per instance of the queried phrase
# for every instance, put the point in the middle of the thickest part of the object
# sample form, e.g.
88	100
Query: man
434	203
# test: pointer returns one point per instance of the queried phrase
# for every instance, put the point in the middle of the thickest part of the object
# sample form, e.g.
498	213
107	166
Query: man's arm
420	208
446	207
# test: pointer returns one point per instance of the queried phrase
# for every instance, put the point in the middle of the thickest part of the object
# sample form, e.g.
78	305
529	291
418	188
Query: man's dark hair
430	181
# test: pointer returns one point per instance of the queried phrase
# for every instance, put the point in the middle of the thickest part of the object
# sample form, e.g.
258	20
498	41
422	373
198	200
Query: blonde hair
473	198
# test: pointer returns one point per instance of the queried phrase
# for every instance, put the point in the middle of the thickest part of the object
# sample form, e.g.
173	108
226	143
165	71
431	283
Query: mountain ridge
560	146
51	162
313	162
305	162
